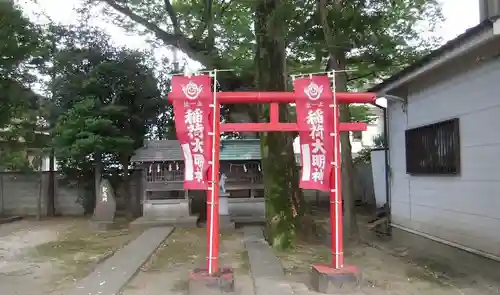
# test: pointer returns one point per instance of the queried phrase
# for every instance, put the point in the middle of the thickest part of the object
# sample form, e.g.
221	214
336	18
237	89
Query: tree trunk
337	61
284	201
351	230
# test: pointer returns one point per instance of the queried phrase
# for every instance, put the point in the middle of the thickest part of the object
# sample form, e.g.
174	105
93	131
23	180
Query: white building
444	143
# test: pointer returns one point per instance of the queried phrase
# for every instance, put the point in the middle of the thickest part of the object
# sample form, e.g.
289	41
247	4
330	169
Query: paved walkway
267	272
110	276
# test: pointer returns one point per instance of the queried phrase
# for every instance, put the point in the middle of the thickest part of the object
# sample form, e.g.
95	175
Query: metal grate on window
434	149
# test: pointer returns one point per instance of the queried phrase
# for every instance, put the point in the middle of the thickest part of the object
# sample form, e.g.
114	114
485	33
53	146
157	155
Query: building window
434	149
357	135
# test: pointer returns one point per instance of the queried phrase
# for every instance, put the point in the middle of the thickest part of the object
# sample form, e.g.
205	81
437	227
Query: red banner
315	122
193	115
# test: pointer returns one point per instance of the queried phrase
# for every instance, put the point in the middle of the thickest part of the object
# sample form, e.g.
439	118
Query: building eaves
170	150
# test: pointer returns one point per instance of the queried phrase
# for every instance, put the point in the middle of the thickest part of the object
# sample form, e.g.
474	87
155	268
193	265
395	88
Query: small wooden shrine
161	162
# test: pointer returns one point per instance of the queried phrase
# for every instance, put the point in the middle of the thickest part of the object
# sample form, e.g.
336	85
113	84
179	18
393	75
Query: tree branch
206	22
374	73
225	7
180	42
193	47
173	17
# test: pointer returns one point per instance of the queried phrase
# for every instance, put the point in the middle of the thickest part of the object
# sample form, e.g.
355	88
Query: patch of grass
229	234
299	259
232	252
83	246
434	271
80	248
71	248
421	274
183	246
438	266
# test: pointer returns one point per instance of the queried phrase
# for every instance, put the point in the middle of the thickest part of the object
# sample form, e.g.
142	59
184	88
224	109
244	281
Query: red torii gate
190	95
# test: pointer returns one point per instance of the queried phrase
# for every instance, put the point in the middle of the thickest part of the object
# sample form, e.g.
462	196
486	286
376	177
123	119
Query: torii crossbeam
197	118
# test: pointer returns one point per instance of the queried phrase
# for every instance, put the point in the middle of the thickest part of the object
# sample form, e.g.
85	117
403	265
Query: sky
459	17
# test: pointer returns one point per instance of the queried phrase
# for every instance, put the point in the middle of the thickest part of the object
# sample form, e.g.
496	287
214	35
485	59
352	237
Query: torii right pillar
317	108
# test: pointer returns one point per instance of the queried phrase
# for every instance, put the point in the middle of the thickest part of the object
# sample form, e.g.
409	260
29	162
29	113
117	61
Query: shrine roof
170	150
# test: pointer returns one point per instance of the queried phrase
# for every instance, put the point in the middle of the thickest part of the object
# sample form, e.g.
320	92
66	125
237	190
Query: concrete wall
463	209
363	184
363	188
19	193
444	257
379	176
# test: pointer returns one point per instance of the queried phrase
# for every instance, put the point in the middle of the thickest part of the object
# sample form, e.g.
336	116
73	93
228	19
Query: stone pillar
223	204
224	217
105	208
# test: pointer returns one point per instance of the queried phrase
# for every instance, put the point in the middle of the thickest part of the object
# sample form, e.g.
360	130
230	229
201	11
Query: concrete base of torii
202	283
328	280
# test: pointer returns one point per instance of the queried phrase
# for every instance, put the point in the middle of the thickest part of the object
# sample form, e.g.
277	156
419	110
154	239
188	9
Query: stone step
248	219
180	221
266	270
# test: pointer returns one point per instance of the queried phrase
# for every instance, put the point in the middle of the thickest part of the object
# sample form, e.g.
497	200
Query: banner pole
336	193
213	221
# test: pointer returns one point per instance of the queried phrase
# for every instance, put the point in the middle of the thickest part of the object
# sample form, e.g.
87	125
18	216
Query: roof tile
170	150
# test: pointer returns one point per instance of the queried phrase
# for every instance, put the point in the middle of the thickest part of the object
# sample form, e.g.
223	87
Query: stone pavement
110	276
267	272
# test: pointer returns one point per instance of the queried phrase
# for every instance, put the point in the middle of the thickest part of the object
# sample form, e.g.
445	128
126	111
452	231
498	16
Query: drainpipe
387	155
385	135
387	172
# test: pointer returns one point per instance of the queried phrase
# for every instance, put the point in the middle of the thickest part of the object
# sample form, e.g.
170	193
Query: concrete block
201	283
328	280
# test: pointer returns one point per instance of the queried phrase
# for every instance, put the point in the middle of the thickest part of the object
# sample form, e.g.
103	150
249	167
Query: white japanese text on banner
315	122
192	97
